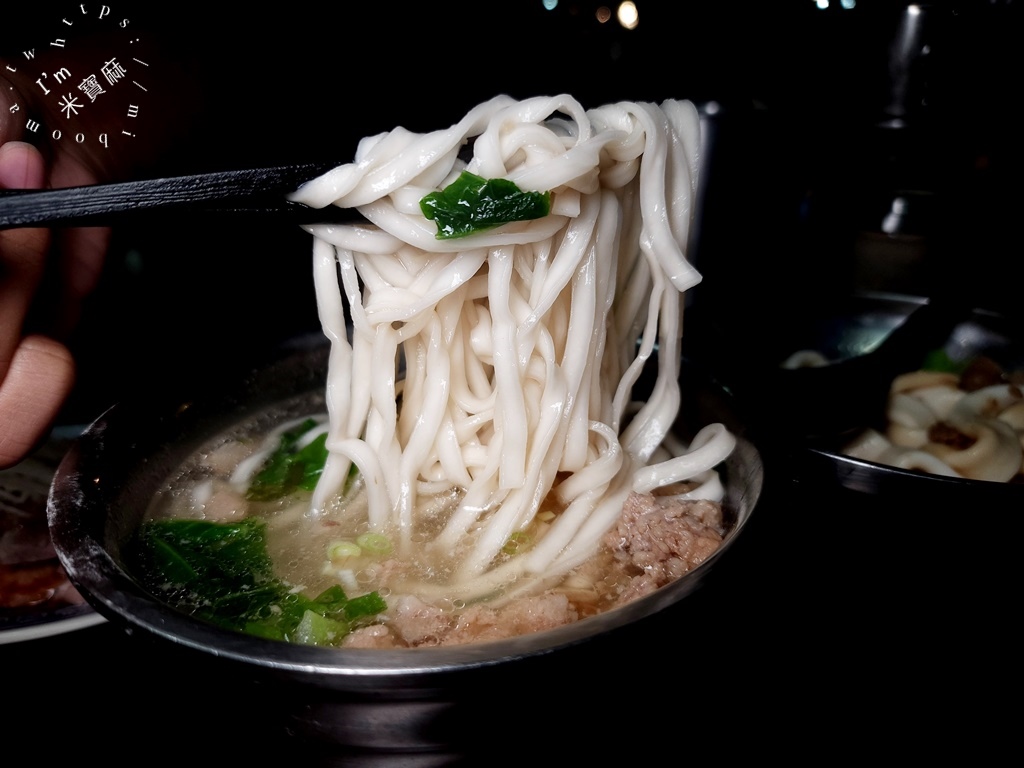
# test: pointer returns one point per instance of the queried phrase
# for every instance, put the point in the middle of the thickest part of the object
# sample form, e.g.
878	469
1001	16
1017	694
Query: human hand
43	280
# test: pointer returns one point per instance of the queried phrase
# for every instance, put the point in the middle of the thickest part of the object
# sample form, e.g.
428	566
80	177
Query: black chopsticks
257	193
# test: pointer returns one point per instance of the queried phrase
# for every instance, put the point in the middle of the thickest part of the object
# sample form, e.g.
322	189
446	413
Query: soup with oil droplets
251	485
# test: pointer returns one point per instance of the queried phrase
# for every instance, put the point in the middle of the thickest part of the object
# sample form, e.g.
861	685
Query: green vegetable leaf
939	360
472	203
221	572
289	469
364	606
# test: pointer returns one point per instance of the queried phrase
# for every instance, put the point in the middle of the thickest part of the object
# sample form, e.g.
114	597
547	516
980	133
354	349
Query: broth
658	539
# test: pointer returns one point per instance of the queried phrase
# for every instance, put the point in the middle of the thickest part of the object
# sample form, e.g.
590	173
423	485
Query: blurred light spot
628	15
603	14
822	4
848	4
550	5
893	221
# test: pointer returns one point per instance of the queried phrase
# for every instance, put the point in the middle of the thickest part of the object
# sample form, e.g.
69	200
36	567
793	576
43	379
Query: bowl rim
865	468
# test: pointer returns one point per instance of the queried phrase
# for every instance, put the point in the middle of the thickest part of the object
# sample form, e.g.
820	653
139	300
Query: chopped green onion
375	543
516	543
342	549
315	629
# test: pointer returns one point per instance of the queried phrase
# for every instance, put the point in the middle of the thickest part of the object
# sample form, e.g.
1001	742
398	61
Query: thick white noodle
519	345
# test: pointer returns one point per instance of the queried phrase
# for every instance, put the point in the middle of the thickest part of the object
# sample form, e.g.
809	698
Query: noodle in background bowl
859	325
405	699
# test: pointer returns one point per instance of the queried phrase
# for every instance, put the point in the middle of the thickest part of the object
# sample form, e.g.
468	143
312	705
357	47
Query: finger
22	251
21	166
38	381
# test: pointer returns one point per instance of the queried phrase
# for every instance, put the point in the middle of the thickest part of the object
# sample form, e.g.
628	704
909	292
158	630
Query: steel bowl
423	699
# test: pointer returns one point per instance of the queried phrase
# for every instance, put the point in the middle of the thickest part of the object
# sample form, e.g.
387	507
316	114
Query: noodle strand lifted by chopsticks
500	366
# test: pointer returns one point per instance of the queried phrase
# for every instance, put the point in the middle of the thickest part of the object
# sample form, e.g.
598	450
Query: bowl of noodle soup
952	431
488	410
335	696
